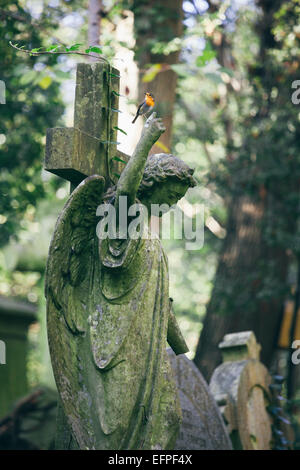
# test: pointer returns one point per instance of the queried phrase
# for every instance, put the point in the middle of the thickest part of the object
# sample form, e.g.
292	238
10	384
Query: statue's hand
154	127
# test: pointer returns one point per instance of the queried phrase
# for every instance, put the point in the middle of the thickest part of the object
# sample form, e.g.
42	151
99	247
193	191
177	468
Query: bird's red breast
149	100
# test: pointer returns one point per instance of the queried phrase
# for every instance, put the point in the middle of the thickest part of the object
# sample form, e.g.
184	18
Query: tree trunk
161	22
235	303
94	17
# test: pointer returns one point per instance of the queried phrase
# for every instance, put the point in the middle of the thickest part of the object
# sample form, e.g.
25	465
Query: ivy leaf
36	49
284	420
118	159
117	175
53	47
275	410
96	49
75	47
121	130
114	75
275	387
93	49
278	378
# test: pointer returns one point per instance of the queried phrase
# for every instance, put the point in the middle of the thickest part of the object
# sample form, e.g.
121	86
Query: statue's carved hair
161	167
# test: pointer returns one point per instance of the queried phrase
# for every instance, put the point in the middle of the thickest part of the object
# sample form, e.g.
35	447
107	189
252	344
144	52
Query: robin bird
146	106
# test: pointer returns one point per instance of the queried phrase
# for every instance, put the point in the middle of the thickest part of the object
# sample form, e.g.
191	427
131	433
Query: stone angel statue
109	315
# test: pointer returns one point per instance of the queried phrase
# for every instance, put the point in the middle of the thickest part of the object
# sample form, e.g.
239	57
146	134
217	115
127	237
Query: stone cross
89	147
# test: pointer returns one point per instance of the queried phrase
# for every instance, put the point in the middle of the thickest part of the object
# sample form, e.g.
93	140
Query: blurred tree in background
259	180
33	103
158	30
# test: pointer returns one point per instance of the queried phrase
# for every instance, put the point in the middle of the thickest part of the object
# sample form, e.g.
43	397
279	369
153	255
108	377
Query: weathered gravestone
202	426
15	319
108	308
240	386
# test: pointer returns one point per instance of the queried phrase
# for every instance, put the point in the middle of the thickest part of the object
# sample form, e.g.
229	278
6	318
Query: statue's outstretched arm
174	335
132	174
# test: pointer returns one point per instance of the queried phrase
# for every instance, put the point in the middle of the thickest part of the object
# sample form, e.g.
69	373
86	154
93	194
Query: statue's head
166	179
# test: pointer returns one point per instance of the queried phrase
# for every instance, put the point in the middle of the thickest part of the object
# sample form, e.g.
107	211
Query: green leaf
274	410
45	82
114	75
96	49
75	47
121	130
118	159
36	49
151	73
275	387
284	420
207	55
117	175
28	77
115	110
116	93
180	69
214	77
53	47
61	74
278	378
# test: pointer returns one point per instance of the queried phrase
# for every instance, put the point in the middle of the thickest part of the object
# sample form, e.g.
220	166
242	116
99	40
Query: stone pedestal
15	318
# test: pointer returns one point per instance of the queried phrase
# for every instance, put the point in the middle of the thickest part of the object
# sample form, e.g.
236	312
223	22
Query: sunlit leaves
45	82
208	54
151	73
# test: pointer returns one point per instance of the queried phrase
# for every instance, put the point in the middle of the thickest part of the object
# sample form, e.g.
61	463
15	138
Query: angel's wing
68	276
71	249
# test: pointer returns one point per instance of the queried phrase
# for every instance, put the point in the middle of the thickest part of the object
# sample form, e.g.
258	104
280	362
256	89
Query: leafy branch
90	52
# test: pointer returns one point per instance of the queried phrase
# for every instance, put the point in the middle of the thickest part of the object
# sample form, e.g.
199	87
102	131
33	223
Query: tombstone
15	318
240	386
202	426
108	308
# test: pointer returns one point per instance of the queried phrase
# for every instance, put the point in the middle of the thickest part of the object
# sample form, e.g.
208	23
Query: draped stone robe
108	312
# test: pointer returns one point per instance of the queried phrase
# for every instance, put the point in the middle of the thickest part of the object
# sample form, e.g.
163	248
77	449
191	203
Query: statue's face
169	193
